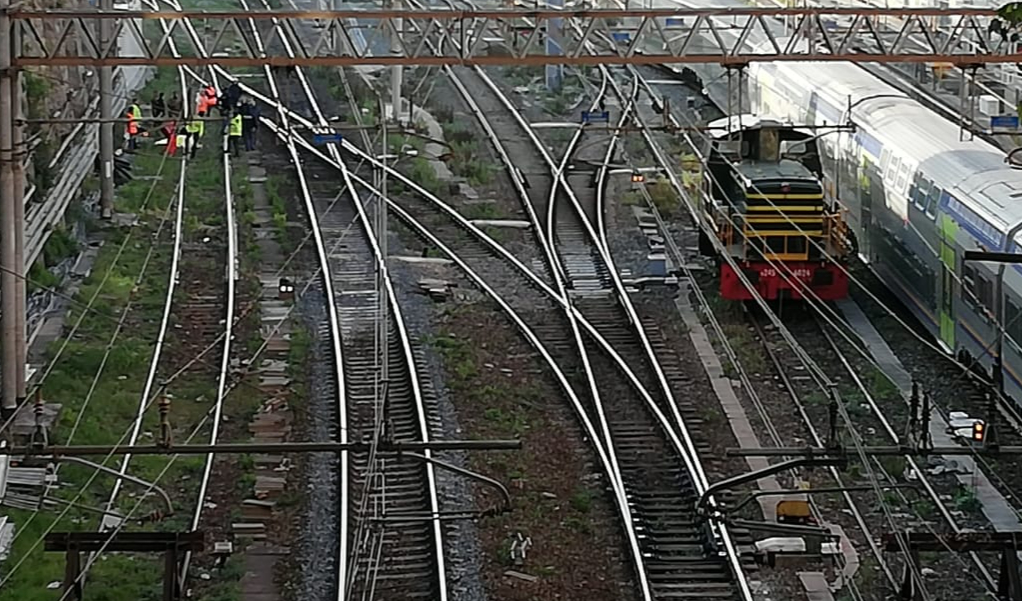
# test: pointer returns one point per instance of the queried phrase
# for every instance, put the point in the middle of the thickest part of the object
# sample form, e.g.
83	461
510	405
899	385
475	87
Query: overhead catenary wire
781	328
82	489
66	340
845	416
841	325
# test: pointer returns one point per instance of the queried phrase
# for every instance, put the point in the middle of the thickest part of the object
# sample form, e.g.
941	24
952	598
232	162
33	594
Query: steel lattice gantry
516	36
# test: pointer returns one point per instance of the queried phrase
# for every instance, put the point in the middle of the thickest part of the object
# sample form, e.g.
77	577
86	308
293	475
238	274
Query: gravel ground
949	389
629	248
554	502
558	493
309	527
313	562
461	543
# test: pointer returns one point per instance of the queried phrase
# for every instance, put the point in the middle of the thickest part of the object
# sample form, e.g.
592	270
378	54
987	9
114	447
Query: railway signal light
285	289
978	432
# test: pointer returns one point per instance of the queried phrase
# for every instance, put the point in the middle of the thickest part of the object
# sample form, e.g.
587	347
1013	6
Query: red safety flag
171	138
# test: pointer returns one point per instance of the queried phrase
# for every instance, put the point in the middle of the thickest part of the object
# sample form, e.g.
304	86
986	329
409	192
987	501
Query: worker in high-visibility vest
211	99
195	129
234	133
205	100
133	114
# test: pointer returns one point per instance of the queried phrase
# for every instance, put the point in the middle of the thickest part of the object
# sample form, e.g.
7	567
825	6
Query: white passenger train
918	197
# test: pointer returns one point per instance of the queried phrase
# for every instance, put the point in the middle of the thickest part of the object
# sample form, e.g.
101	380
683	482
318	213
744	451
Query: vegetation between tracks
558	494
116	395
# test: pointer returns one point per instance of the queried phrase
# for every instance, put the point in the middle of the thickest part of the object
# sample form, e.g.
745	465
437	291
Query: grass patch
466	160
422	172
39	278
482	210
115	281
59	246
665	197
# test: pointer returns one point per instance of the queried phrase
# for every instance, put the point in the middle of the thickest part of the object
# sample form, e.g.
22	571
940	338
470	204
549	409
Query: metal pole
8	283
20	151
335	38
396	73
381	236
273	447
106	111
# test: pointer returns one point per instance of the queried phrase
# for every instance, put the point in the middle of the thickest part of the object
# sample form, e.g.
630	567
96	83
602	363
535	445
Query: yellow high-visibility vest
235	130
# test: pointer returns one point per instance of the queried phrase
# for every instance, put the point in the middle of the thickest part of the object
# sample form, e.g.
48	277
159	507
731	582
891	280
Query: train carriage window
969	283
917	193
985	292
902	176
885	160
891	173
922	190
1012	321
932	201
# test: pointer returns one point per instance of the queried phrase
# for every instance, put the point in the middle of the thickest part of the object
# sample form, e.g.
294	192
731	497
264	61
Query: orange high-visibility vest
132	124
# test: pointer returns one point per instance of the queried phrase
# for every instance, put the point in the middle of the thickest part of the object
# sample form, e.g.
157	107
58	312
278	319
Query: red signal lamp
978	432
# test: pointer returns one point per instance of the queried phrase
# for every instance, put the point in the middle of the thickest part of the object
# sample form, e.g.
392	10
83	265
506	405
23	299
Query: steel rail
680	189
161	337
231	288
945	513
342	409
556	268
683	442
609	454
602	242
360	532
395	307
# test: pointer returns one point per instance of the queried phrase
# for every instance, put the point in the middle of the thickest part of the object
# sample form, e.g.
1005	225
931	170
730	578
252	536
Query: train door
947	293
865	188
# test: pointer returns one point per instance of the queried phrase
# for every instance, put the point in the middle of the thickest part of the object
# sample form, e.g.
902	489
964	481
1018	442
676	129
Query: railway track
203	311
879	426
463	235
394	546
668	492
621	431
148	396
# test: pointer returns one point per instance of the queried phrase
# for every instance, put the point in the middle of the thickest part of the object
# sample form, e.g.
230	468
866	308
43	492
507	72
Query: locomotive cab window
797	245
